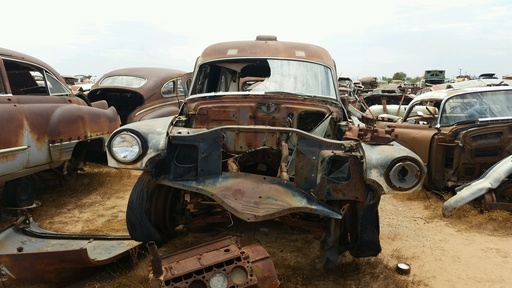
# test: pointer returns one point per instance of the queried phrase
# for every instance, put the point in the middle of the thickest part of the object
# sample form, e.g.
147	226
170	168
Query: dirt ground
469	249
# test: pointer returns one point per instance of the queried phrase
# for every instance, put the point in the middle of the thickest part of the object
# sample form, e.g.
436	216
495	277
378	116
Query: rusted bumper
490	180
220	263
30	255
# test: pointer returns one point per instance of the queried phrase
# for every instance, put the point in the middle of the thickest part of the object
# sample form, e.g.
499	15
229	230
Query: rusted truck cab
44	125
263	135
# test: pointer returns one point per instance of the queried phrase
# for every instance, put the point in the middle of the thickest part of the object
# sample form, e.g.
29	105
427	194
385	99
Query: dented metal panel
255	198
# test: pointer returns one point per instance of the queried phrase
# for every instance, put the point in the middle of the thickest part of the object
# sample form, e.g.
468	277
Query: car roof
439	95
146	72
15	55
266	46
156	77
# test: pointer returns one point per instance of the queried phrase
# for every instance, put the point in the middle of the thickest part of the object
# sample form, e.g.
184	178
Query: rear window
123	80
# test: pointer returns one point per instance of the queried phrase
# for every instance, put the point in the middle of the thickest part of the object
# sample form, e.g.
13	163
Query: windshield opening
265	75
474	106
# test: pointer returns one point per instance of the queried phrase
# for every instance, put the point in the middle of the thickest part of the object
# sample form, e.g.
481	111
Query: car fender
254	197
70	124
393	168
153	133
156	111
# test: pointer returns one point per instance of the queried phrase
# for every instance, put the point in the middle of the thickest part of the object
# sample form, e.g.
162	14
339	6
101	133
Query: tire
152	211
20	192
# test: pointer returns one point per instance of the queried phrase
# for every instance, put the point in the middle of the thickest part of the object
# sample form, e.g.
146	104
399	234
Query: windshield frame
269	75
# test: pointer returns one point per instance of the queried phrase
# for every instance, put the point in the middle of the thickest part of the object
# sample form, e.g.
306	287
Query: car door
13	143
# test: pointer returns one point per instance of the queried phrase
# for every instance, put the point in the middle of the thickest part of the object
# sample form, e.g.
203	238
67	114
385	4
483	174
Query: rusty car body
219	263
30	255
493	188
44	125
458	133
141	93
263	135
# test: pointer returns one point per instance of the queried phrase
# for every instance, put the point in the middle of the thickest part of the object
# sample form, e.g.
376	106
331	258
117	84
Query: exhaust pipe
156	260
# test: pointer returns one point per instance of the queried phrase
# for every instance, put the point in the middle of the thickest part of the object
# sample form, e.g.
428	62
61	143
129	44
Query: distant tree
399	76
414	80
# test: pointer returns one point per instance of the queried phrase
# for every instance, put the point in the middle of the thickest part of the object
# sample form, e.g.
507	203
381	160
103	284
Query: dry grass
469	217
92	203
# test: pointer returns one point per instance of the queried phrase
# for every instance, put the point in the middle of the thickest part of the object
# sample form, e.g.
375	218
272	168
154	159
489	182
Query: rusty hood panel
32	255
254	197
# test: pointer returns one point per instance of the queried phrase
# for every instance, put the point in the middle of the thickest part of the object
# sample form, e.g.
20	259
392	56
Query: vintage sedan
263	135
44	125
142	93
458	133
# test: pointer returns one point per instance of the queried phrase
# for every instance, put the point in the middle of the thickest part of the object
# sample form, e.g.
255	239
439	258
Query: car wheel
151	214
20	192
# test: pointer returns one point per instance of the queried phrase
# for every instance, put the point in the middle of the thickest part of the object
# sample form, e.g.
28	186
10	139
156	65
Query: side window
2	87
181	89
55	87
168	89
27	79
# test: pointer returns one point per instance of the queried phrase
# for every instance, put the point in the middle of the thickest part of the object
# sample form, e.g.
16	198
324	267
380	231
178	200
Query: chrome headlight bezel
413	177
127	146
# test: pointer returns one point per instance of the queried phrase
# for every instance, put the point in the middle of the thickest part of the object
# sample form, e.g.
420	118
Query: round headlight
404	174
219	280
125	147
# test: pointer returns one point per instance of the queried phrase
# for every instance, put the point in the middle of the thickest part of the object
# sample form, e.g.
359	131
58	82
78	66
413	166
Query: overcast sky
364	37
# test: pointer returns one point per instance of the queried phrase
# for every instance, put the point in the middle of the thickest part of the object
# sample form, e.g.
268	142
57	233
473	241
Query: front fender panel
254	197
153	132
379	158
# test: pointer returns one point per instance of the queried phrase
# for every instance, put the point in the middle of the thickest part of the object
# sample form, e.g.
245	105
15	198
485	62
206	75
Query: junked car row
258	131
